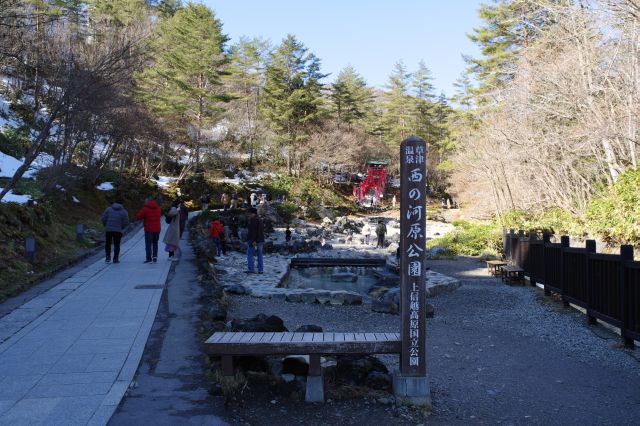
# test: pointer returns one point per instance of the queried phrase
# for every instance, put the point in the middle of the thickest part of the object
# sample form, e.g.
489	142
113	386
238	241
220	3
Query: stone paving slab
68	356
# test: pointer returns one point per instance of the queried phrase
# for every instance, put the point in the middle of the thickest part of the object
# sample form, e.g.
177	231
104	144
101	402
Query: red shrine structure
370	190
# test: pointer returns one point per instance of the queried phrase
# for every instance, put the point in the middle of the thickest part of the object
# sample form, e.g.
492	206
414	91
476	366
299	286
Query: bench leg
315	383
227	365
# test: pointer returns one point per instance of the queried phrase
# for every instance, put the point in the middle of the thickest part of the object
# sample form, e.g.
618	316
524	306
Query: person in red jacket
150	215
215	232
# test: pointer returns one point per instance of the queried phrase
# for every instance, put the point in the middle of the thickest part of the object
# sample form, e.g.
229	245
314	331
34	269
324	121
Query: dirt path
496	354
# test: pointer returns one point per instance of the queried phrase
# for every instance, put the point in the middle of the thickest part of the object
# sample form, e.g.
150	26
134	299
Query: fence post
546	238
30	248
626	255
512	233
565	242
533	236
590	246
79	231
504	242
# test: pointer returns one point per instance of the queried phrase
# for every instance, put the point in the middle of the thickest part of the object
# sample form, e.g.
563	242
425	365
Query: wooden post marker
411	386
30	249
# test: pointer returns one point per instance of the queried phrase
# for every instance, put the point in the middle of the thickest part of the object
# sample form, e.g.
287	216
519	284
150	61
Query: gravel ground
496	354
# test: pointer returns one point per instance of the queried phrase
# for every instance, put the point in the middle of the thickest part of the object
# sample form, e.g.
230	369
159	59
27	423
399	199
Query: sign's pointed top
413	138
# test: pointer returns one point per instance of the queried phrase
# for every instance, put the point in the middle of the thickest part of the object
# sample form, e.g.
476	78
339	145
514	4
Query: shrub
287	210
14	142
471	239
613	213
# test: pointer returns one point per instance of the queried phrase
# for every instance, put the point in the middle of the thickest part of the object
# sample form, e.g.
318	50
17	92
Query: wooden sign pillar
411	386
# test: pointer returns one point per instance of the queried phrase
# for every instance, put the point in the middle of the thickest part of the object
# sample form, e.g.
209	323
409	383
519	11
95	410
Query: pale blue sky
371	35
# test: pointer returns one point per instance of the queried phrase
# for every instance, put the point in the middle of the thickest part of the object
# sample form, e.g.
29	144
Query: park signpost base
412	390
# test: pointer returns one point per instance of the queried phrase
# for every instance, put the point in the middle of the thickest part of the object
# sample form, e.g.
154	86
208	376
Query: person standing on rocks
287	234
115	218
255	239
215	232
381	231
225	201
150	215
393	202
366	232
172	236
234	199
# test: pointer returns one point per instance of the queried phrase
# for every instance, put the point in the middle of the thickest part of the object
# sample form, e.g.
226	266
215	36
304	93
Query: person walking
381	231
366	233
184	216
215	232
287	234
393	202
255	239
172	236
115	218
150	216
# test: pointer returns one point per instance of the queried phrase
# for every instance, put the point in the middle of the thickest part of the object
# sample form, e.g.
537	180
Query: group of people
115	219
380	230
254	238
448	203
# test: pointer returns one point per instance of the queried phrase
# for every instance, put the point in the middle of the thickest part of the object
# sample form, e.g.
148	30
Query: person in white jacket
366	232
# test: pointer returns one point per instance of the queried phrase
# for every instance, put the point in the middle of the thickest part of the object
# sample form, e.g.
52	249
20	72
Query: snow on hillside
10	197
9	165
105	186
164	181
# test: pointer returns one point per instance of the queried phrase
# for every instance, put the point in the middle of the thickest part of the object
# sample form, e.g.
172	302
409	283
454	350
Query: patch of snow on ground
246	176
10	197
9	165
105	186
164	181
75	200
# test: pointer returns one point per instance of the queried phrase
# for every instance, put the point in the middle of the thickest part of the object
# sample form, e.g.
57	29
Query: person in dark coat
115	218
381	231
184	216
150	215
255	239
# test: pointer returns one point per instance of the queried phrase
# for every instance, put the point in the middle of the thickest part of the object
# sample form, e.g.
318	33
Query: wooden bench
229	344
512	274
493	266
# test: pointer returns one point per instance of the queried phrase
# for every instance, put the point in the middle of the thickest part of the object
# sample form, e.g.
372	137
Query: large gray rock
267	212
326	213
259	323
385	307
354	369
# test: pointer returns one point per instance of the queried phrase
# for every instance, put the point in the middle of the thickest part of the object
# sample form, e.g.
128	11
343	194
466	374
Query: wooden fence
607	286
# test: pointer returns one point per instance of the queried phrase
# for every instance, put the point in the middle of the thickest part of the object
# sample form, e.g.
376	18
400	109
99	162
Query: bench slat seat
228	343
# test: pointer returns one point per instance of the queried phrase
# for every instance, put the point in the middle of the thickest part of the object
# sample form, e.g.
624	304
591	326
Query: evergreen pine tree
397	117
168	8
424	120
292	94
185	83
350	97
509	26
249	59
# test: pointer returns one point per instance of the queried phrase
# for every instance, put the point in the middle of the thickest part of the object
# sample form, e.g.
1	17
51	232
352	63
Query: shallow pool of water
356	279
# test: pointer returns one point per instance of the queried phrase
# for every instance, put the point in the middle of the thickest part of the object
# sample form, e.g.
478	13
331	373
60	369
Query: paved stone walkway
68	356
